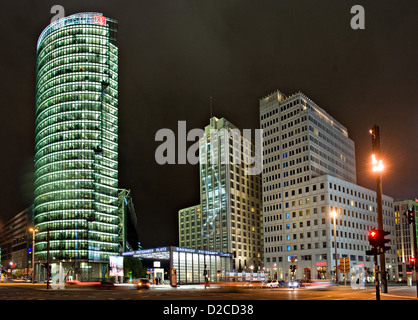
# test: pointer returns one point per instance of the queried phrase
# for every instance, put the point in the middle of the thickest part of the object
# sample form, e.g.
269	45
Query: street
23	291
194	301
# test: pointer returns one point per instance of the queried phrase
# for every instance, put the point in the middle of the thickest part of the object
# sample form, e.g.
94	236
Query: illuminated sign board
116	266
98	19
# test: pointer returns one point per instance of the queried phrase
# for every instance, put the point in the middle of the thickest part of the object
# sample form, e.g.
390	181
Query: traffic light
383	240
377	240
411	215
412	262
372	237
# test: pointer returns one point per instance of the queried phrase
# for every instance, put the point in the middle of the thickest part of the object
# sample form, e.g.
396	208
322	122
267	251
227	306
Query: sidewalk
182	287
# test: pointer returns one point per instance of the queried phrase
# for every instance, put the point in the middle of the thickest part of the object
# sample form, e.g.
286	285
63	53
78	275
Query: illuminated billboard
116	266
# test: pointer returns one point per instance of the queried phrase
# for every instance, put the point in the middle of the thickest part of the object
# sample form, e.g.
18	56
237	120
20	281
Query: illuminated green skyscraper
76	145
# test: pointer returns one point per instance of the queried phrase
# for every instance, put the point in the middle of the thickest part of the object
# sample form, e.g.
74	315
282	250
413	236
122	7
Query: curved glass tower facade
76	144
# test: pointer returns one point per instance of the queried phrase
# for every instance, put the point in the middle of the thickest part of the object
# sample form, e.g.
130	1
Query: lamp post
334	215
33	252
378	168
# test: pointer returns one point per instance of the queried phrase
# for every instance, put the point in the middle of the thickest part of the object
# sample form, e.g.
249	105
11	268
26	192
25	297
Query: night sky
175	54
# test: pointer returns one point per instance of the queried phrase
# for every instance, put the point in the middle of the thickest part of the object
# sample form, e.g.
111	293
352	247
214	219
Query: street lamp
334	215
377	165
378	168
33	252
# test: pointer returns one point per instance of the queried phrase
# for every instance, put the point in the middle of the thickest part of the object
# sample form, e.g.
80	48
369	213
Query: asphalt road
20	291
195	302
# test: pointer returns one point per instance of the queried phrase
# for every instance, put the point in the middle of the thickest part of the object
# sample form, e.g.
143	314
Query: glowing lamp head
377	164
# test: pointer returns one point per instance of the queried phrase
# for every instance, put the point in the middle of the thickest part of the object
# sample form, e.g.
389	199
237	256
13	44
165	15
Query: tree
134	265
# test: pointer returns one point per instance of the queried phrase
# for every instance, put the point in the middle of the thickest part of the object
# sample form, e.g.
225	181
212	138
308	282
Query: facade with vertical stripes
76	143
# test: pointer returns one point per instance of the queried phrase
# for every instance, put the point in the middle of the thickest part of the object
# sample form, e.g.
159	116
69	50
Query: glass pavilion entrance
188	265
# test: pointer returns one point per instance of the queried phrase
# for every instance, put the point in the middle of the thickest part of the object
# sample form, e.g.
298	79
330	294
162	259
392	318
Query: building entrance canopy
189	264
163	253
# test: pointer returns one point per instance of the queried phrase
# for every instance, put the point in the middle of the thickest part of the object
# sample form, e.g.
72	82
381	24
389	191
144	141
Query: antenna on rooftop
211	106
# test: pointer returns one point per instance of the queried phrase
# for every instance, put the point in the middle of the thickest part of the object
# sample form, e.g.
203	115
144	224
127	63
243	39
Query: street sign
345	265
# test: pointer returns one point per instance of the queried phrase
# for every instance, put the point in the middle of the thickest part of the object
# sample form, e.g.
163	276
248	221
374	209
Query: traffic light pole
383	277
376	150
376	277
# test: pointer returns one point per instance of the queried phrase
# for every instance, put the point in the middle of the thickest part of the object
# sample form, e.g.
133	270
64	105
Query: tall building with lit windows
76	145
229	216
308	173
404	237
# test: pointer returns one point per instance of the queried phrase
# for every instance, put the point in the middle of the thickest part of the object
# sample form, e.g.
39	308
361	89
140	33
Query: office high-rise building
313	142
309	172
190	226
404	237
229	216
76	144
16	243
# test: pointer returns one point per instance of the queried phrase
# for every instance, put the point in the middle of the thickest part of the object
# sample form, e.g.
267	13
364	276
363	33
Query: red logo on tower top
97	19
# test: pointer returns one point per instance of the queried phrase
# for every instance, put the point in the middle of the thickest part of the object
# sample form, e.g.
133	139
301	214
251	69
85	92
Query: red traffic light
377	240
373	237
411	215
